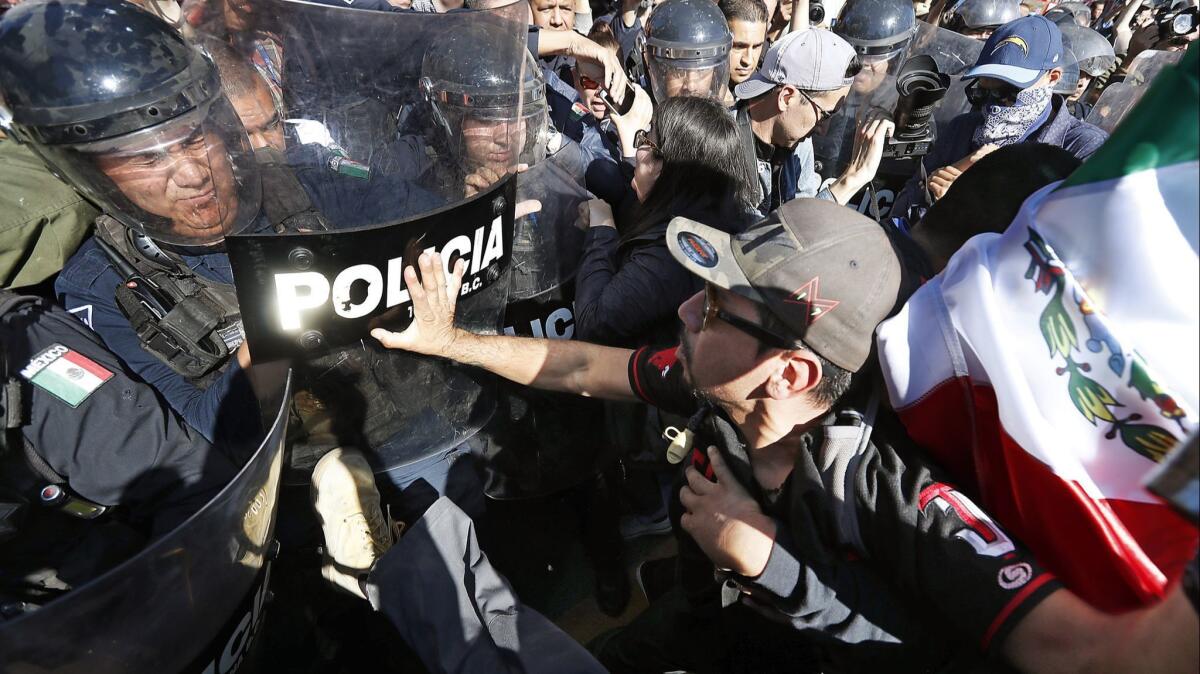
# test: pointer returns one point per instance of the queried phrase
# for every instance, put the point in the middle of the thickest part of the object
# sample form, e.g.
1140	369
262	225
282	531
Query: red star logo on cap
809	296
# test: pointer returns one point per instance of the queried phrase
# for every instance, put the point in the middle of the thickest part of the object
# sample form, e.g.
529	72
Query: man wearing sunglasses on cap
1012	102
832	536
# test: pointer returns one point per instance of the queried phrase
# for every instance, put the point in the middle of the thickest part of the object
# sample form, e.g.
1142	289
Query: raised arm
555	365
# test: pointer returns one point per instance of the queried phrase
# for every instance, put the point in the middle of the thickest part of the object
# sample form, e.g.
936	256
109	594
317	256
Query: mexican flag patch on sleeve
67	375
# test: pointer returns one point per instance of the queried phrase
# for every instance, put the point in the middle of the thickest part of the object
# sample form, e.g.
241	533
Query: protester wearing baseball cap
795	465
803	81
1013	102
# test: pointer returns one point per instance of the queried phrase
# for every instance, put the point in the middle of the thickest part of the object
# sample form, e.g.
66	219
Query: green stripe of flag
66	390
1161	130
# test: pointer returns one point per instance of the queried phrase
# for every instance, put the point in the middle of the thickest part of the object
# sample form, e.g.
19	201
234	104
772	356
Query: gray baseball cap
827	272
813	60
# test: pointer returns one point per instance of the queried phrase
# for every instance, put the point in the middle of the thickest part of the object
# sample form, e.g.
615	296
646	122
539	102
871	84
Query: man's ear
799	372
785	97
1054	75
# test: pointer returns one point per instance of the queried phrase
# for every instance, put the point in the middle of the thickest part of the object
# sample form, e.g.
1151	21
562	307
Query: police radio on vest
297	292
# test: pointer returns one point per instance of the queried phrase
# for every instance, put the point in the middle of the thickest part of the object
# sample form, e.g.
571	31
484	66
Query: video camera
816	12
920	85
1172	26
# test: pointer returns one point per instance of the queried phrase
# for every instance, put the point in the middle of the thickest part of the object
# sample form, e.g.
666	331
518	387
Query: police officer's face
189	182
981	34
495	144
260	117
874	72
553	14
689	82
748	38
1081	86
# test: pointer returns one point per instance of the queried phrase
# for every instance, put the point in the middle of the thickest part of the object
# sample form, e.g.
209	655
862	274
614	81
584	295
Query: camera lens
920	85
816	12
1183	23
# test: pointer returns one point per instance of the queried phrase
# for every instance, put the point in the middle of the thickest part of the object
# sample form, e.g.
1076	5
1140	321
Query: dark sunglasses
712	311
641	139
822	113
1005	94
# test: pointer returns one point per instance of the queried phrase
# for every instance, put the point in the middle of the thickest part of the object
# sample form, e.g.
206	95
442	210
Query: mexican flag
1051	367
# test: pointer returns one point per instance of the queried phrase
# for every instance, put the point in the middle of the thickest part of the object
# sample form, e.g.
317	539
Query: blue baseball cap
1020	51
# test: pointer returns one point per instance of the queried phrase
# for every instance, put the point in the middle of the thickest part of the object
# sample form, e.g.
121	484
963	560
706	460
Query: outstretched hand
869	142
434	299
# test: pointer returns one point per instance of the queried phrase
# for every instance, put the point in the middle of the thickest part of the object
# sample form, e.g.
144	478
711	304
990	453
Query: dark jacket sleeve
615	306
224	411
941	551
845	600
1083	139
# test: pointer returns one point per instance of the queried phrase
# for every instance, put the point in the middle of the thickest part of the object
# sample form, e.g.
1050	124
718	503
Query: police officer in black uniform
77	498
686	50
138	121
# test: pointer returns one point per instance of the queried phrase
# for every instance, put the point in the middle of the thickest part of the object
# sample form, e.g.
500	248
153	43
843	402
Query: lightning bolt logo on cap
1014	40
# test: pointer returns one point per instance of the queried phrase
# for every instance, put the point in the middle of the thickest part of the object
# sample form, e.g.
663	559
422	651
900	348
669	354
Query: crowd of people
713	207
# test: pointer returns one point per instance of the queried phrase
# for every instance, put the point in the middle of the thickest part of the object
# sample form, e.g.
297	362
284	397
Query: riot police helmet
877	29
978	18
1094	54
489	113
687	49
121	107
1070	12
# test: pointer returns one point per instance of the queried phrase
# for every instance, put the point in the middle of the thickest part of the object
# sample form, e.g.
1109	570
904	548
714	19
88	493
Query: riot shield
190	601
953	53
404	133
546	244
1119	98
1092	52
542	442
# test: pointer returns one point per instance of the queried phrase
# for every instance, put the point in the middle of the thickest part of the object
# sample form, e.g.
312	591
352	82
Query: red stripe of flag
88	364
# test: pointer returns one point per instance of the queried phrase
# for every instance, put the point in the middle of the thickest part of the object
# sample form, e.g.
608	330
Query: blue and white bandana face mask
1008	124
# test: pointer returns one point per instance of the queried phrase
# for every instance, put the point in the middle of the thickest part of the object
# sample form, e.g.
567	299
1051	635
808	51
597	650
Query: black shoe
656	577
612	588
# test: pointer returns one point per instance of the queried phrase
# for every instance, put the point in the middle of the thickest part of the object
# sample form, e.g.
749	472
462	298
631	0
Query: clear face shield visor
189	181
669	80
676	70
496	131
502	142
